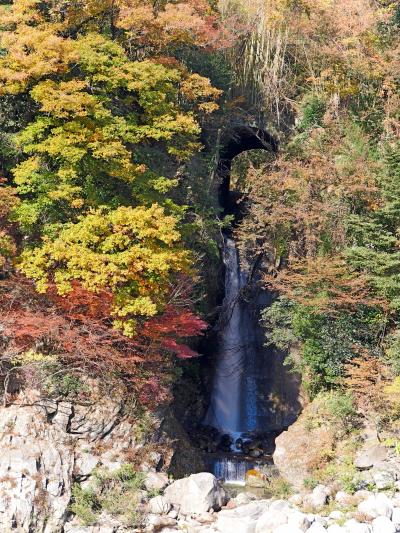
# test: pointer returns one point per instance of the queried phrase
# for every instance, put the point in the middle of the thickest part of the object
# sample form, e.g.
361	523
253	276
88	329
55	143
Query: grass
117	493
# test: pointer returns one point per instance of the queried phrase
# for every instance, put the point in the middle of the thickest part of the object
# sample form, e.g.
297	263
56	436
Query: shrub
84	504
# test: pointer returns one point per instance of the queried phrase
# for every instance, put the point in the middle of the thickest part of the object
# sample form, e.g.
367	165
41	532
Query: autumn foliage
79	331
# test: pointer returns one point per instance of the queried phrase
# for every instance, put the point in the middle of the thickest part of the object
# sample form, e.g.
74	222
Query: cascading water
233	407
252	393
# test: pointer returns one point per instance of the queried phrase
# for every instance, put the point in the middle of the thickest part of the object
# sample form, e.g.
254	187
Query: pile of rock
209	440
199	504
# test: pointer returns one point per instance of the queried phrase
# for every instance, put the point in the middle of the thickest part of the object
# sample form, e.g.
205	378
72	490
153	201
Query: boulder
276	516
296	499
345	499
396	516
242	519
382	524
206	518
370	456
159	505
361	495
296	454
335	528
376	505
155	481
298	520
321	520
316	528
383	479
244	498
229	521
288	529
318	498
196	494
352	526
157	522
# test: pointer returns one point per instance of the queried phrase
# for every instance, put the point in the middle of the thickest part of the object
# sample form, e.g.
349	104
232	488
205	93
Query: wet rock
226	442
256	452
197	493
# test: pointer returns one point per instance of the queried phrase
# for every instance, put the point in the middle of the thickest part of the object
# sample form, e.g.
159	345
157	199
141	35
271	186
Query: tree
94	206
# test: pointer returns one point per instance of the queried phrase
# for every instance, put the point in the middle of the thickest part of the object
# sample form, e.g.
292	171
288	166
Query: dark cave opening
240	139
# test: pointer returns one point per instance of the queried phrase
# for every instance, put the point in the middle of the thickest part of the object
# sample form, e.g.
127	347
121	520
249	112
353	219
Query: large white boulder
288	529
277	515
352	526
196	494
382	524
376	505
335	528
242	519
396	516
298	520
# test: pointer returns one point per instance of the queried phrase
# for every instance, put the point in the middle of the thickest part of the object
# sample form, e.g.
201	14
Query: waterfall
234	407
253	393
231	470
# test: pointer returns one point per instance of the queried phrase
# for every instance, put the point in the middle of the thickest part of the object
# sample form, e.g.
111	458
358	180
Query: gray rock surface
369	456
45	447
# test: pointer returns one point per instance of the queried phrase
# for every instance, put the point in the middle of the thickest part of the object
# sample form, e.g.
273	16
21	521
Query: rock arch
241	139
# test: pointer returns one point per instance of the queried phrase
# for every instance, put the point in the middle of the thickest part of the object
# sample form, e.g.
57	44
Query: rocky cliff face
47	446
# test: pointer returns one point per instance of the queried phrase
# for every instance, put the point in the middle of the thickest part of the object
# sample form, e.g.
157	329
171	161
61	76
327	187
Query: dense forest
111	116
123	216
